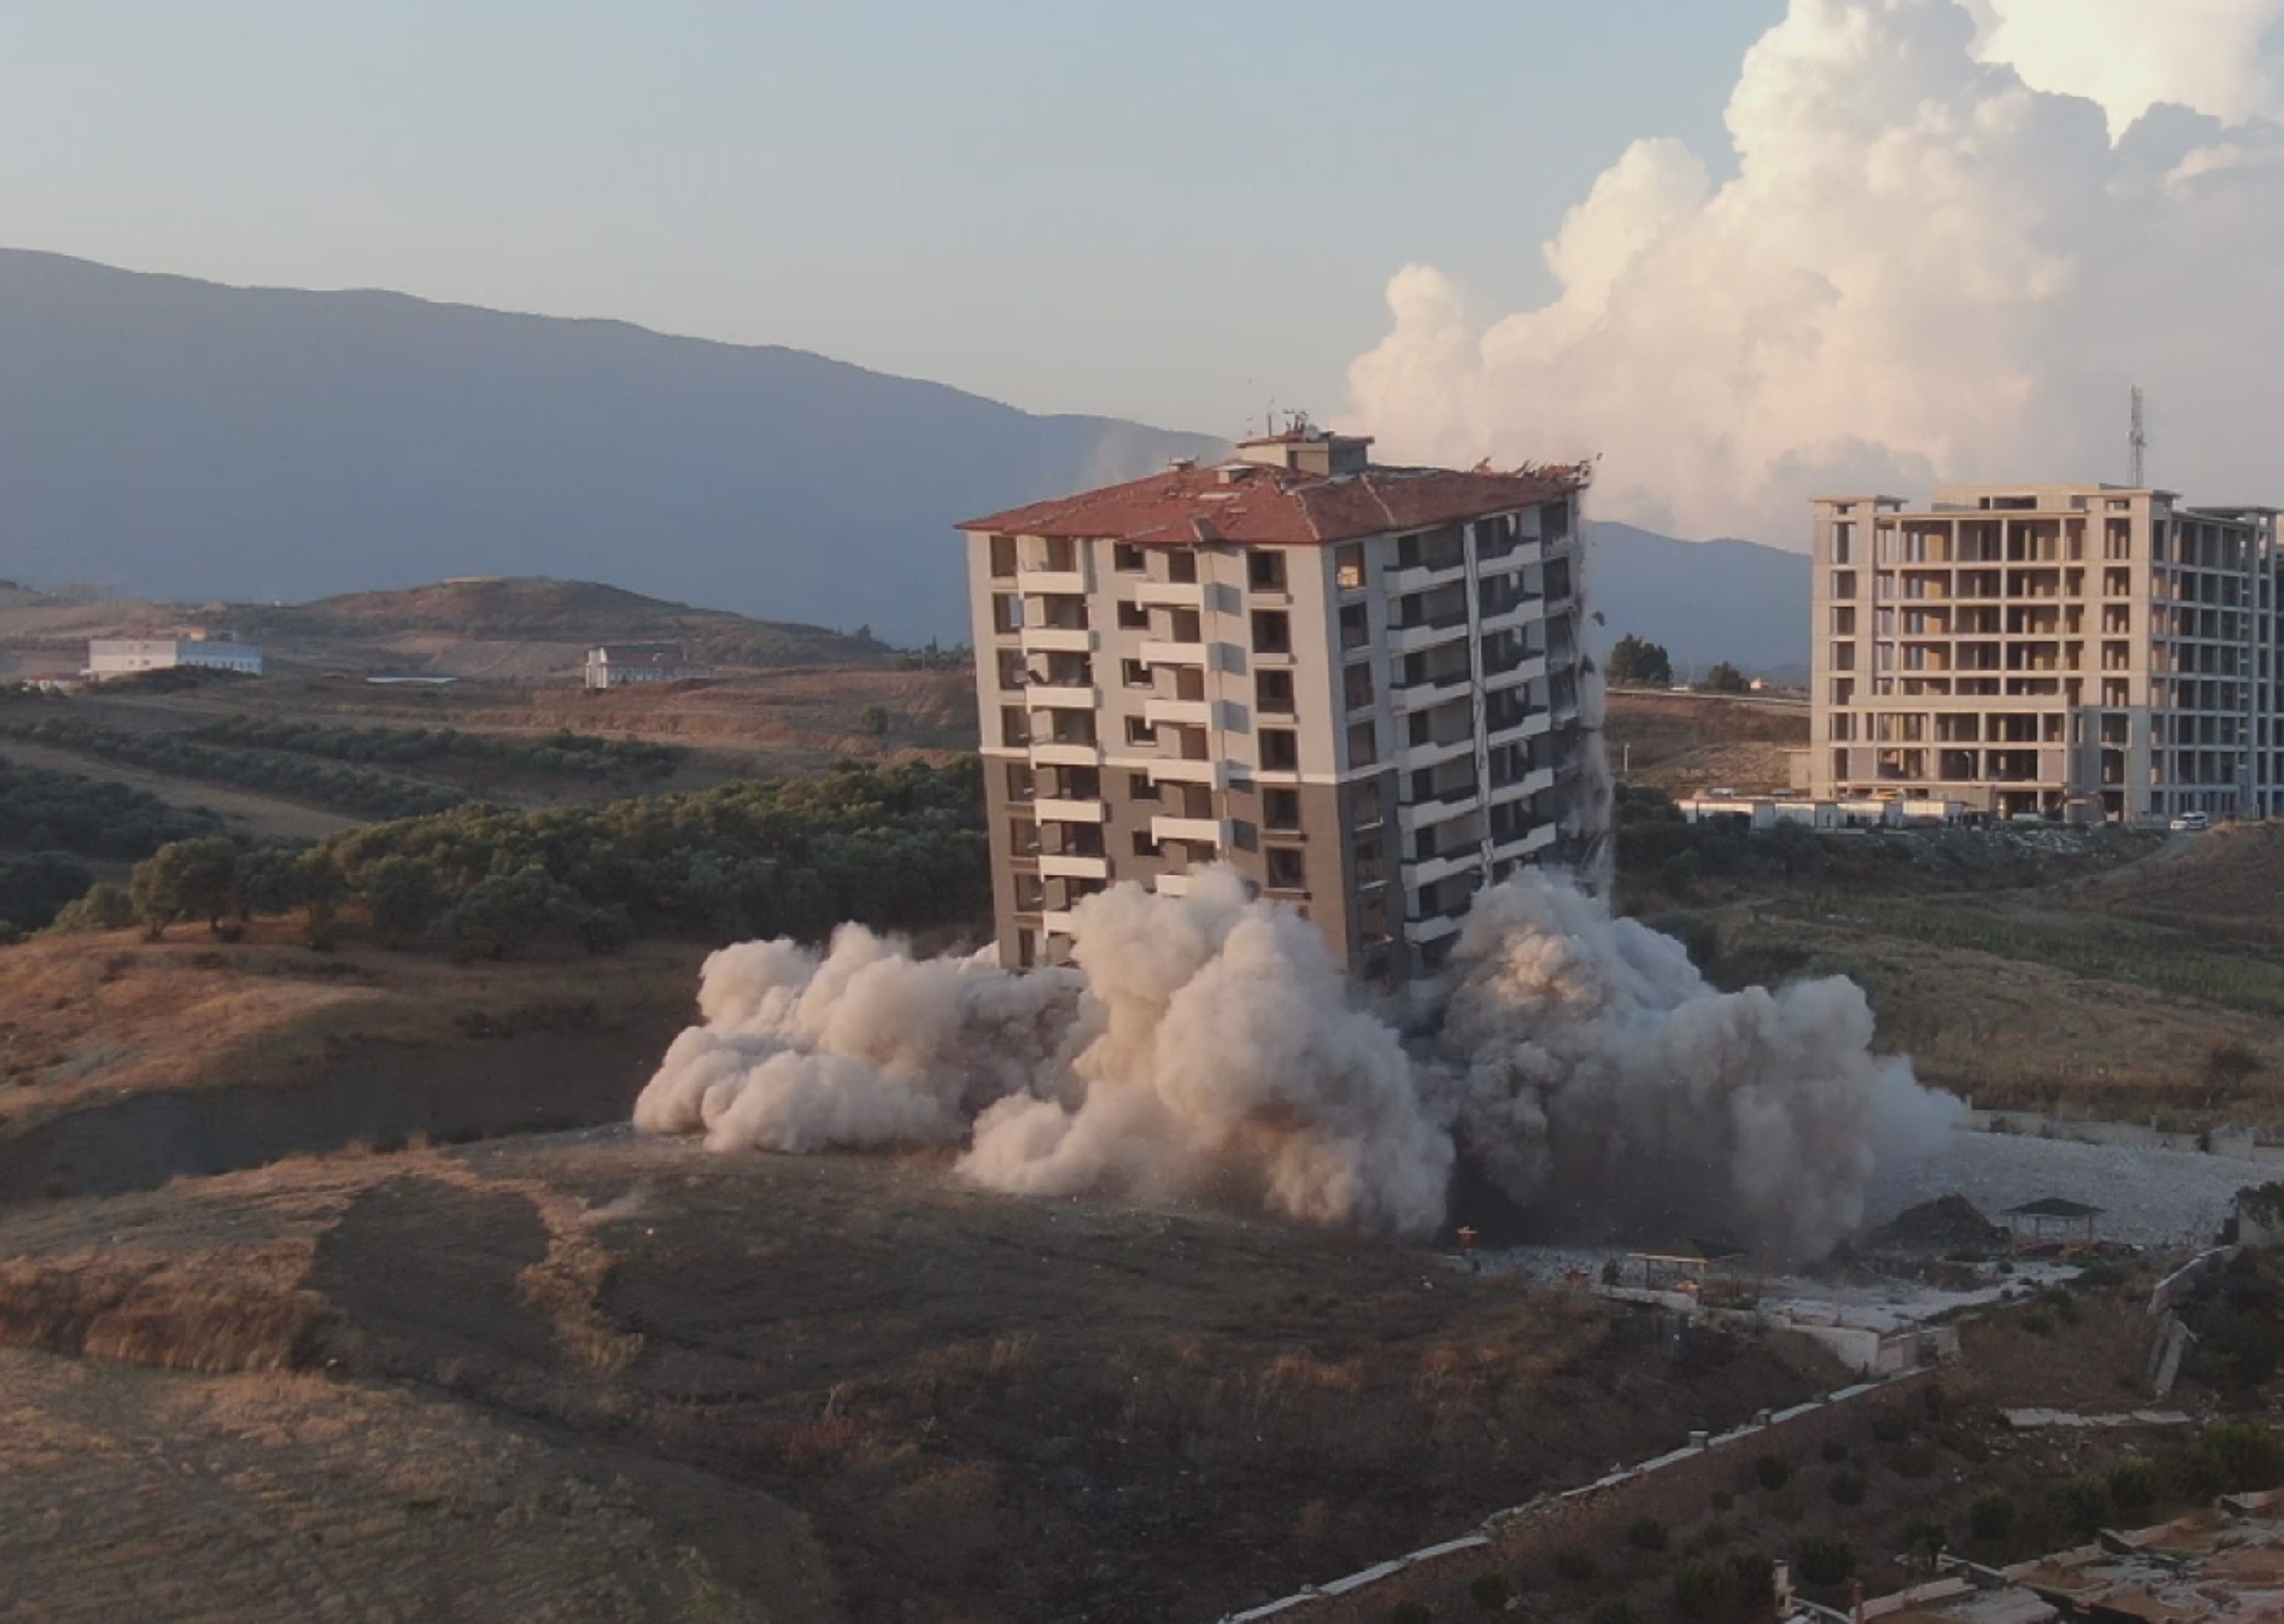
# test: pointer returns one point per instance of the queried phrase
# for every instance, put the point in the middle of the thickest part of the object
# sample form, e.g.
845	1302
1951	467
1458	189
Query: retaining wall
1672	1488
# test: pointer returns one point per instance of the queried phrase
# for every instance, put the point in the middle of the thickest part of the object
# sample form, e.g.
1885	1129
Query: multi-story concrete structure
2088	651
125	657
1357	684
626	665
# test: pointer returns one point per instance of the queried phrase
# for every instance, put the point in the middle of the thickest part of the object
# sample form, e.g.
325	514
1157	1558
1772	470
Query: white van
2190	823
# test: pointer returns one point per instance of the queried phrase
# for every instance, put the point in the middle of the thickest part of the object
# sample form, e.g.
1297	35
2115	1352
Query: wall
1672	1488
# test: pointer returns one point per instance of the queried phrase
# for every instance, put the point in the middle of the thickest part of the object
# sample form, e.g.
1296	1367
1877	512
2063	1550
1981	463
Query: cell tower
2137	439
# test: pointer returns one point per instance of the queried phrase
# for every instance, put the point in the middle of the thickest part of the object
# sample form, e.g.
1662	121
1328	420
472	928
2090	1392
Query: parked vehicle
2190	823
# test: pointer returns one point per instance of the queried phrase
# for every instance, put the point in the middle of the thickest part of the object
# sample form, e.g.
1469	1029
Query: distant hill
184	440
1705	601
512	628
534	609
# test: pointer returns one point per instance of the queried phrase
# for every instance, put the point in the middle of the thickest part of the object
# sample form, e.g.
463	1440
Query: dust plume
1210	1050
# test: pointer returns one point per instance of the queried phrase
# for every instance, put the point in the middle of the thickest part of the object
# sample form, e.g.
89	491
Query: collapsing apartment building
2083	652
1357	684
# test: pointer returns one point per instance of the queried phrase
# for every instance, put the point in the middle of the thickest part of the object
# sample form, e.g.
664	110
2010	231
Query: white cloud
1925	268
2131	55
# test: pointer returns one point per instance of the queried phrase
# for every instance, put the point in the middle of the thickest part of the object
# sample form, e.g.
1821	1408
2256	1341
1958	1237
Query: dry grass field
1683	743
597	1377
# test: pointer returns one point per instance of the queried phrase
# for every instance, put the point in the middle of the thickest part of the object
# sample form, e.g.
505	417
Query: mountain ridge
187	441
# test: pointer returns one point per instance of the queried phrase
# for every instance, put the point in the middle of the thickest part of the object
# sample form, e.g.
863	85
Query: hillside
526	629
179	440
574	614
1705	601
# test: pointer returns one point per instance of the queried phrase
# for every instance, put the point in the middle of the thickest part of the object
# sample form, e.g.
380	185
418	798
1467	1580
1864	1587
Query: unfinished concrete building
2078	651
1357	684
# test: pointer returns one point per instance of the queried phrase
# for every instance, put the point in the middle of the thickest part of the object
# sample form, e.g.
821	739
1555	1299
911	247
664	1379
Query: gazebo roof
2054	1207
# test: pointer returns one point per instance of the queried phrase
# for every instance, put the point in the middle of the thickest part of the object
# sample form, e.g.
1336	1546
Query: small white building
126	657
620	665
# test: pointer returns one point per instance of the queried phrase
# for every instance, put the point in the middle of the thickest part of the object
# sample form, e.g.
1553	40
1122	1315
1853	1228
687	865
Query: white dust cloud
1931	261
1209	1050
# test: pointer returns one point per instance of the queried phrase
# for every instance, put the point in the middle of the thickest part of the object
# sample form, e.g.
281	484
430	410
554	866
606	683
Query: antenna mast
2137	440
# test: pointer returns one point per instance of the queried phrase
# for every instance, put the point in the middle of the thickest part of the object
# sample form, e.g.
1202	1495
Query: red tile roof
1269	506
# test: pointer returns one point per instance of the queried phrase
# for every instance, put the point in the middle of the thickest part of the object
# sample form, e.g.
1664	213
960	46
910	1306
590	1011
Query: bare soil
562	1376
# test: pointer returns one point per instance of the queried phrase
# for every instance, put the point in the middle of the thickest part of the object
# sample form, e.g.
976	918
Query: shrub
1616	1610
2244	1455
2082	1502
1722	1500
1935	1401
1833	1452
1771	1472
2038	1324
2133	1486
1847	1488
1753	1577
1926	1535
1490	1591
1911	1460
1703	1589
1410	1612
1824	1559
106	907
1647	1533
1890	1424
1574	1566
1991	1515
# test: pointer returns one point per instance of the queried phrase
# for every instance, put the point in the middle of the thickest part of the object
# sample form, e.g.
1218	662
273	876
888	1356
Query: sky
1175	212
1739	250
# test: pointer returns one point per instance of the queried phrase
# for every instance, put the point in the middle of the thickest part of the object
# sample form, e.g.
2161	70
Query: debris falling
1210	1050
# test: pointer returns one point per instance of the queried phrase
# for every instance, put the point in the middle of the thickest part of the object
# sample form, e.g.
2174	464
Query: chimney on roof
1182	465
1308	450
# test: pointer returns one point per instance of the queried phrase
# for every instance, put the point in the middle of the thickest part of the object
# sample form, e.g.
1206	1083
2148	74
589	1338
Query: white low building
127	657
621	665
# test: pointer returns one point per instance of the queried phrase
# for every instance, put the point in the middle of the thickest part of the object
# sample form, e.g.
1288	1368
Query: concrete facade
1370	724
2083	652
625	665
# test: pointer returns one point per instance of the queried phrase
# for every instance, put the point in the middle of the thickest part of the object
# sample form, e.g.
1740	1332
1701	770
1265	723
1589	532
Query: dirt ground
124	1062
602	1377
1685	742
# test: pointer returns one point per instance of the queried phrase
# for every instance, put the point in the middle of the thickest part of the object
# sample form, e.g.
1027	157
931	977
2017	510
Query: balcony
1418	577
1060	811
1170	595
1523	789
1071	866
1204	831
1157	653
1429	690
1443	809
1052	582
1058	639
1050	696
1427	870
1434	928
1179	713
1531	722
1533	840
1435	752
1442	628
1170	885
1047	752
1529	669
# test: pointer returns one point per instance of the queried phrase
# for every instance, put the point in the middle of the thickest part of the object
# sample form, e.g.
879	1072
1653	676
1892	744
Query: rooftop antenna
2137	439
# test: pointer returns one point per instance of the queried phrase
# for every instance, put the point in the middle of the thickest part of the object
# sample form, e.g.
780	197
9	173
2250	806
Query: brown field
2151	989
1685	742
817	1388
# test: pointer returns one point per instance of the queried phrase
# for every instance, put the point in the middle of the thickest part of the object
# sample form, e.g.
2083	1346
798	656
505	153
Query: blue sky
1176	211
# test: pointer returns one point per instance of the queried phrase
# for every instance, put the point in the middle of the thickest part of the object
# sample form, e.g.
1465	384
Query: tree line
898	848
358	791
1636	662
585	755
